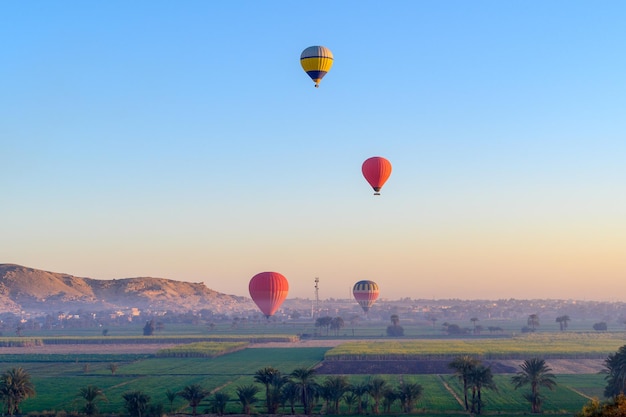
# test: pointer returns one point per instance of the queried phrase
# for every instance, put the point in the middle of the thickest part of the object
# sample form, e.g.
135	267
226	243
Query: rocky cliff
33	290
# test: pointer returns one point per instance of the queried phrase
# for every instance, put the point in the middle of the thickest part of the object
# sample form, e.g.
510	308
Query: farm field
58	382
59	376
363	329
557	345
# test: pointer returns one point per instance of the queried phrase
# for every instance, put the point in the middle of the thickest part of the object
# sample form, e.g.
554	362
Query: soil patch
365	367
399	367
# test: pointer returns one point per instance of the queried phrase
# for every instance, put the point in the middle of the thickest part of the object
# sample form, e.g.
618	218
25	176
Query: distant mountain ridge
33	290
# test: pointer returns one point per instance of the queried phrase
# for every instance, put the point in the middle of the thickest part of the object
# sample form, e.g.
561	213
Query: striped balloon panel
316	64
316	75
316	52
365	286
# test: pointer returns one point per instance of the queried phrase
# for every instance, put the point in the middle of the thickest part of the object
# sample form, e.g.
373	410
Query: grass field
58	378
58	382
364	328
557	345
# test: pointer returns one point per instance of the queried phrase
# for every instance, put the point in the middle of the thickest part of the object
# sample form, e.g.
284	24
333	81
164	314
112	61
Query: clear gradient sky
182	140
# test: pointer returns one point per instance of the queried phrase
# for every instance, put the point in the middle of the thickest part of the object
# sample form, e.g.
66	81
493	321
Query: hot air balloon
376	171
268	290
365	293
316	61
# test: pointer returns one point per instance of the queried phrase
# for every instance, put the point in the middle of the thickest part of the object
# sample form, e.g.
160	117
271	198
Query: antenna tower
317	296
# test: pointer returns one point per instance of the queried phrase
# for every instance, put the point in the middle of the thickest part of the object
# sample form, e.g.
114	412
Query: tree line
337	323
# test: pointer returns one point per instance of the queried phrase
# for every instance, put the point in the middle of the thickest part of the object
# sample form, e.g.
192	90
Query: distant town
462	316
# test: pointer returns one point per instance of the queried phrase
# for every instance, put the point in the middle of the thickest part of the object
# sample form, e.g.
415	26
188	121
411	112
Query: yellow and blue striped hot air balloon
316	61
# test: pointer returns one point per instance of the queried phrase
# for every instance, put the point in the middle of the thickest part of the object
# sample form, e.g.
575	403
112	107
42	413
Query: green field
58	378
57	383
557	345
363	328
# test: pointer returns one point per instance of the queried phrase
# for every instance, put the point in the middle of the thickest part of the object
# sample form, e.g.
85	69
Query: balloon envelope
316	61
376	171
268	290
365	293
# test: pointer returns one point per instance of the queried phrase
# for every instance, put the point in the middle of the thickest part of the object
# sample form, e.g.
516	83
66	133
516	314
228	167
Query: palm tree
480	377
389	397
474	320
290	393
615	365
136	402
462	366
219	401
326	393
336	387
193	394
361	390
171	396
247	397
15	387
337	324
324	322
559	320
537	374
155	410
304	380
377	387
90	394
273	381
395	329
354	321
533	321
408	394
276	392
350	399
113	368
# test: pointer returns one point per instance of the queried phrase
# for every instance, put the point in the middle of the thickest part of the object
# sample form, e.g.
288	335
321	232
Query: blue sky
183	140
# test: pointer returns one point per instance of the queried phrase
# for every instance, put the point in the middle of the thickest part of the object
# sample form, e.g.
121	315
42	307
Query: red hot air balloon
268	290
376	171
365	293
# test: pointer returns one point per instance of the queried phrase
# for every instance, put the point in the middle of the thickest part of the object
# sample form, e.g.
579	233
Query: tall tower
317	296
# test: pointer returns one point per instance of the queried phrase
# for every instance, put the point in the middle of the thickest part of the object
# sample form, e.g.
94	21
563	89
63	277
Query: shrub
600	327
395	331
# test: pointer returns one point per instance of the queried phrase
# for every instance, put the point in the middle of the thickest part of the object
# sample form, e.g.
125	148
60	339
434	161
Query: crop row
201	349
162	339
573	346
76	358
20	342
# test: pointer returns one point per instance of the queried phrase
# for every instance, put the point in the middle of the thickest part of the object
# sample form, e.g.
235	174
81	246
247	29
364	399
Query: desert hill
33	290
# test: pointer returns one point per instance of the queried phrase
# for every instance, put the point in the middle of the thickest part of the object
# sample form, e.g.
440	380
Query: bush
455	329
600	327
395	331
